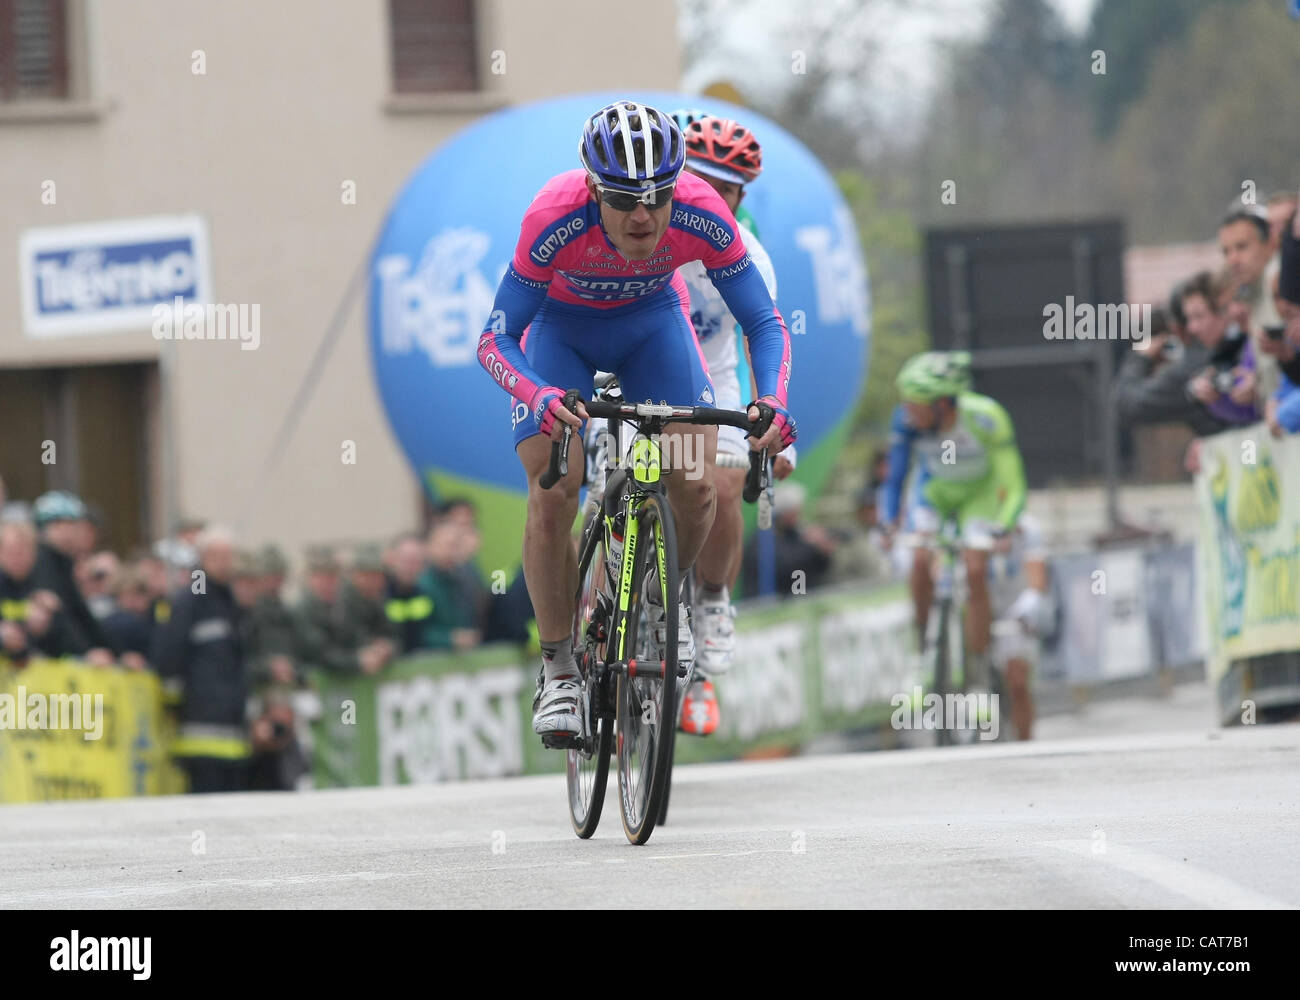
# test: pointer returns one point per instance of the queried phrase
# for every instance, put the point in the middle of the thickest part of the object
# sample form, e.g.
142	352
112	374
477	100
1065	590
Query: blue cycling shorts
651	347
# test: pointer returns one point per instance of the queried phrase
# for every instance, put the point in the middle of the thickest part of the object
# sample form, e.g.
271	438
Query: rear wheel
668	781
647	704
688	598
942	653
588	768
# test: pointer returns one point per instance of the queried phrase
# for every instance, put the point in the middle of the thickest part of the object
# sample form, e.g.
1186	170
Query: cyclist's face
731	192
922	416
637	233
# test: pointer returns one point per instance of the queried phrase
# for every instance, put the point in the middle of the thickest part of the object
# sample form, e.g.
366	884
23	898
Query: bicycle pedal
561	741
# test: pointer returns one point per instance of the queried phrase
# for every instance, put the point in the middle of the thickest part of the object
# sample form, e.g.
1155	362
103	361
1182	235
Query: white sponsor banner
868	655
764	692
453	726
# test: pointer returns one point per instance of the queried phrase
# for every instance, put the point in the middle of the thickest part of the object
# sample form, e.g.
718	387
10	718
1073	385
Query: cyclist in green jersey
966	446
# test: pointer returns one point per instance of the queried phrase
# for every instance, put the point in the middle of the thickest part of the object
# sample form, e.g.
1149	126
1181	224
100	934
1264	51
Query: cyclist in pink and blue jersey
594	286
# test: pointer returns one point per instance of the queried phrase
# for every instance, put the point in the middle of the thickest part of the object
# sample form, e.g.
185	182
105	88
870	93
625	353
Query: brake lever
765	494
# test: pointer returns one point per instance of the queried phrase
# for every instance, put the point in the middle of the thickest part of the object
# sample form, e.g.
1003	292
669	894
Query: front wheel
647	701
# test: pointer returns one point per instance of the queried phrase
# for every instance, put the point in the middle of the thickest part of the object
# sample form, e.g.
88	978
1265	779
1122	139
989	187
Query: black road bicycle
628	703
944	659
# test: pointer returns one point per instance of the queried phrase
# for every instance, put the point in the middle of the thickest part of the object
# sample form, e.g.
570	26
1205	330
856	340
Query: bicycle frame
610	605
644	459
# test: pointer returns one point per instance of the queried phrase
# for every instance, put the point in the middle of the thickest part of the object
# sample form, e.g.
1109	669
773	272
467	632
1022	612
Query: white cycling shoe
716	624
556	707
658	619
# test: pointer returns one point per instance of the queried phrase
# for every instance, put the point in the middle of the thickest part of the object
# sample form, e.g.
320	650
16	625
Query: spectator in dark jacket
202	644
455	591
364	593
1286	299
66	534
1151	386
510	615
272	658
130	627
328	637
97	576
405	605
30	624
277	760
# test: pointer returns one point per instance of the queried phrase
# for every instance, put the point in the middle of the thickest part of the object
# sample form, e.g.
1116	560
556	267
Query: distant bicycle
943	657
627	700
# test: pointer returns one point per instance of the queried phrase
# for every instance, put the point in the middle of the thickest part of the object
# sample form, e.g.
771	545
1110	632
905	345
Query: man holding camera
1151	386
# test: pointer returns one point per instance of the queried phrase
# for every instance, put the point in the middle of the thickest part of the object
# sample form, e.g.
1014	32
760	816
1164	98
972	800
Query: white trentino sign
110	275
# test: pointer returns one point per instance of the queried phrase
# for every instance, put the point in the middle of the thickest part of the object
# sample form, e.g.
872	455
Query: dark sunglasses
624	201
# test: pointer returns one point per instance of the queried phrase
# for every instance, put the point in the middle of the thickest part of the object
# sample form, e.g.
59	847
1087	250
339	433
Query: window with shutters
33	49
434	46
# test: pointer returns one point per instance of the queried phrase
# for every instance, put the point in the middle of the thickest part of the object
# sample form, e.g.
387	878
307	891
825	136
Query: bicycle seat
607	384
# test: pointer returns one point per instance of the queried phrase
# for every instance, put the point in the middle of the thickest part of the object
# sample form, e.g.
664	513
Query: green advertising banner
808	666
1248	492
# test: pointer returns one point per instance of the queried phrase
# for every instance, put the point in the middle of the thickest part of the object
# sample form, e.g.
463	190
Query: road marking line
1197	884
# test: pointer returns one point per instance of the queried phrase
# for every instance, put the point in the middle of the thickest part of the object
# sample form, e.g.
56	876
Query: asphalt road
1136	804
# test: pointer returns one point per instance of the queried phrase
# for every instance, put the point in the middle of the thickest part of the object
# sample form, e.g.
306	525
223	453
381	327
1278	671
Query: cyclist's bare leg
1022	703
690	486
719	561
979	616
922	585
550	563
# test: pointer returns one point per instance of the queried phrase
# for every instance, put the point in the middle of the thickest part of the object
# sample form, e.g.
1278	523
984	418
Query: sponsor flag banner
811	666
1248	492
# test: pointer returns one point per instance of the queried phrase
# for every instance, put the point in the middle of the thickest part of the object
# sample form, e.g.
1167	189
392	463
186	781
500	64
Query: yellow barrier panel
1248	489
69	731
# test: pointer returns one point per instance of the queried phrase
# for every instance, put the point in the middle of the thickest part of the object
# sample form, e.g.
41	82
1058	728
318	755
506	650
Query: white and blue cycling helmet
630	147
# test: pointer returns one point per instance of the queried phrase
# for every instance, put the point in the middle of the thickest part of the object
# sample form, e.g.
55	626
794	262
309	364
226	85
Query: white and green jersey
715	327
974	467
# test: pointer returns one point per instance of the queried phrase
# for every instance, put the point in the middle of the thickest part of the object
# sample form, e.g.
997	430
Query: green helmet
934	375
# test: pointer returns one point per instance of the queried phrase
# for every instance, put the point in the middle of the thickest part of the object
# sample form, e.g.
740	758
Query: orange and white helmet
722	148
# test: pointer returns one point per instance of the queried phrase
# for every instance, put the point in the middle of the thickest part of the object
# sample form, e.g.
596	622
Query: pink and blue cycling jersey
566	269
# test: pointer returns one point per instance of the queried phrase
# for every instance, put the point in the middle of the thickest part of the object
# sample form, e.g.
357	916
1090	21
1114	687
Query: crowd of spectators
219	624
1226	350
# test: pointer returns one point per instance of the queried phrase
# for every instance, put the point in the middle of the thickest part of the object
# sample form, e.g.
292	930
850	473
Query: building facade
245	152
